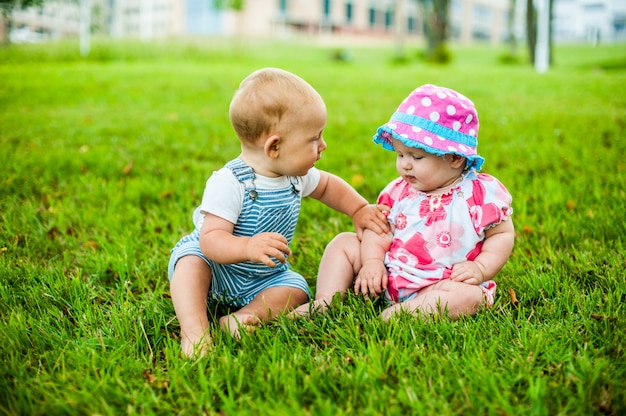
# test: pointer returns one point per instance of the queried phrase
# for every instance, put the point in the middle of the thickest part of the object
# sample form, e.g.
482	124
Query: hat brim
412	136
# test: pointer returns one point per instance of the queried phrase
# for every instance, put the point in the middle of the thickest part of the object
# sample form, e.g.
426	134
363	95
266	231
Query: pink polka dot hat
436	119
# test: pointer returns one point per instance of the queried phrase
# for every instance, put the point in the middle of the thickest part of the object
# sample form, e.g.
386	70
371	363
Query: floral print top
432	232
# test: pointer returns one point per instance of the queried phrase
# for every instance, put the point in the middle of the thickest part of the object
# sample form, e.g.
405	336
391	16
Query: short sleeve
310	181
393	192
223	196
489	203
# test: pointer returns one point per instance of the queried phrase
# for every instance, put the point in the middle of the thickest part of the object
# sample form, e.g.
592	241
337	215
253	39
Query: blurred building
470	20
145	19
589	20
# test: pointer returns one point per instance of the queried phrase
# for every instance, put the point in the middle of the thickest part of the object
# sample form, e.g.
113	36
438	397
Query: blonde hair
264	98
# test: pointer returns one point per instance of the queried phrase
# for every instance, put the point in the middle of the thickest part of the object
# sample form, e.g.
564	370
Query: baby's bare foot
196	347
234	324
317	306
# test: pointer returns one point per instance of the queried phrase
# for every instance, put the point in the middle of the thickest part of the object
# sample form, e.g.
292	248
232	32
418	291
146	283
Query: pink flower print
498	191
401	222
405	256
444	240
485	216
471	256
476	214
485	177
478	192
406	192
412	252
492	214
434	208
392	290
386	199
396	287
502	196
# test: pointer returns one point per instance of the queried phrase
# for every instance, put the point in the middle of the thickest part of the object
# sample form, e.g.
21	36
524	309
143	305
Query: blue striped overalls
263	210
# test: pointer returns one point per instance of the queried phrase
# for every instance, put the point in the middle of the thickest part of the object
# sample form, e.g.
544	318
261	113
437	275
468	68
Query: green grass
104	158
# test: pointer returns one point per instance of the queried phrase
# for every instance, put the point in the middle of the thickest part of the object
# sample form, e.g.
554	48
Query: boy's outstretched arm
340	196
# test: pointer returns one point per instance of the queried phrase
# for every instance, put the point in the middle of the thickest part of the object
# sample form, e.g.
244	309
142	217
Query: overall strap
245	175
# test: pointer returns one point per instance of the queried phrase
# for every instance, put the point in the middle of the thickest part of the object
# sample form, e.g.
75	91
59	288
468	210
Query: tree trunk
531	29
5	29
435	13
400	27
440	15
550	48
511	28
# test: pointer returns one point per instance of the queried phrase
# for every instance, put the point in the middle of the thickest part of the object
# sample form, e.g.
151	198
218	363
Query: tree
6	8
235	5
229	4
435	14
532	29
399	14
512	40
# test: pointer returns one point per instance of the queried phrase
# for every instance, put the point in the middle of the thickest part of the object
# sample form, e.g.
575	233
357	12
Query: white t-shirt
223	193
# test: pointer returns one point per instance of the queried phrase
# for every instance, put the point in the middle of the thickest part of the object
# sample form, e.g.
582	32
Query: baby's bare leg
454	298
340	263
263	308
189	289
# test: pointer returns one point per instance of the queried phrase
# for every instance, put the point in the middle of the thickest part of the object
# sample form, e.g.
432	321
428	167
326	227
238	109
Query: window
482	17
594	7
388	18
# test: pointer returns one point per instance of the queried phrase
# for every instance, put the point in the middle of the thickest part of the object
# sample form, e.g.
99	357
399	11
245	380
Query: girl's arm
372	278
495	252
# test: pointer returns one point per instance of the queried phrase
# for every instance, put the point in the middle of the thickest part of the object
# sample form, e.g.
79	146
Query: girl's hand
372	279
467	272
262	247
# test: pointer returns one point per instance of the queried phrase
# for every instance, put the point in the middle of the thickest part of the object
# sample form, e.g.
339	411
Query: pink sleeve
393	191
490	202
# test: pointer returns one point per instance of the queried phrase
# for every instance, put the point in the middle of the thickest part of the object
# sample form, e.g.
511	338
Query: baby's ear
272	146
458	161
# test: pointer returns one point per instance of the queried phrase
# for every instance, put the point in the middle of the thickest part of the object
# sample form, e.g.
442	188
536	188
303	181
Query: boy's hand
372	279
467	272
262	247
371	217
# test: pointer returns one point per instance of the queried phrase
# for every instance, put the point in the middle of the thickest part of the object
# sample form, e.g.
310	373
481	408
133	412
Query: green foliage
229	4
436	22
509	59
6	6
105	157
439	55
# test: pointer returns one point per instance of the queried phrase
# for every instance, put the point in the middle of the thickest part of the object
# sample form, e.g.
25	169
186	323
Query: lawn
104	158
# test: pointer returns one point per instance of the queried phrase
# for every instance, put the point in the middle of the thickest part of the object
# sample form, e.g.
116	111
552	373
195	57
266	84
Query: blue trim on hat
435	128
471	162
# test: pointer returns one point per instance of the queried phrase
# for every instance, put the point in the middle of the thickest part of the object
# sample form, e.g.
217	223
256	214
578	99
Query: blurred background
533	25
